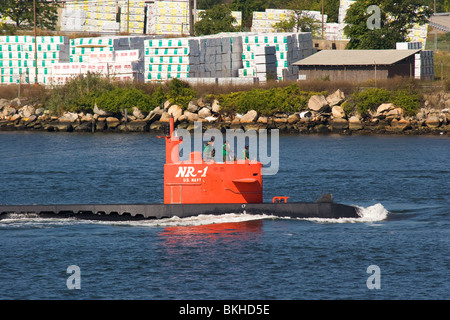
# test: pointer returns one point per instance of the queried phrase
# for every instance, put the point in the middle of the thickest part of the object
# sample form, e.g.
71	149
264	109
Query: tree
215	20
300	20
379	24
247	7
21	12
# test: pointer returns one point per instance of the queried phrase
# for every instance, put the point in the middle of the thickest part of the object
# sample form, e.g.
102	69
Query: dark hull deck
160	211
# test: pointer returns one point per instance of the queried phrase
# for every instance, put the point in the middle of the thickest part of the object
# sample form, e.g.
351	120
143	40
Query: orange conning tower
197	181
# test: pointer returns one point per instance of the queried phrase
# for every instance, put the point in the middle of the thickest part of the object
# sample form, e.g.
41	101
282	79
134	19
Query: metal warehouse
362	65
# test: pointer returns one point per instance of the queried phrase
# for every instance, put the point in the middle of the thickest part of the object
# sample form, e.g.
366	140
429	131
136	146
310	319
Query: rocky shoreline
324	115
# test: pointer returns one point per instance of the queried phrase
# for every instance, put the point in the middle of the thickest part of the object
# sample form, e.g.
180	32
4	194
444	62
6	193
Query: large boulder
15	117
68	117
193	107
165	117
396	113
335	98
215	106
138	113
400	125
112	122
338	112
340	124
101	112
204	113
138	126
9	111
190	116
318	103
27	111
383	109
433	122
4	103
249	117
175	111
293	118
354	123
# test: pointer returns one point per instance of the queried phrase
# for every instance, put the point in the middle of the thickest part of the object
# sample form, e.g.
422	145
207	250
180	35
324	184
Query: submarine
196	187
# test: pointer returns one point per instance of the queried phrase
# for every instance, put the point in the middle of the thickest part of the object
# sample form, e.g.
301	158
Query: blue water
402	185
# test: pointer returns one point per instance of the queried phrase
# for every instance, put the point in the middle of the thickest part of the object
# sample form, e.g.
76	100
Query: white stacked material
220	56
91	16
132	17
424	65
408	45
264	21
344	5
334	31
168	17
265	63
81	49
122	65
169	58
104	16
418	34
200	57
117	57
289	48
18	57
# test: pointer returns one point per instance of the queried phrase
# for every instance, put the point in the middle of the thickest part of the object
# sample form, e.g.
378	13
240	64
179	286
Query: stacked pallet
121	65
289	48
132	16
169	58
424	65
218	56
103	16
168	17
81	49
264	21
18	62
418	34
408	45
91	16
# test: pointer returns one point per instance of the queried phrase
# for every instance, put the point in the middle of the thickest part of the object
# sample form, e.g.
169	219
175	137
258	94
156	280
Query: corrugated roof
355	57
441	21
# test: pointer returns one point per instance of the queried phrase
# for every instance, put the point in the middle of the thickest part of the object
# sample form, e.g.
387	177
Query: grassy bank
84	93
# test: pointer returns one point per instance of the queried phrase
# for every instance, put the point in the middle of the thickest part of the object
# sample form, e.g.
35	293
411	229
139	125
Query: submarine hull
124	212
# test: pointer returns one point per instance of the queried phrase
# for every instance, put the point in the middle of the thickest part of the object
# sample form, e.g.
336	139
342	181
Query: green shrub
407	100
120	99
78	95
369	99
180	93
267	101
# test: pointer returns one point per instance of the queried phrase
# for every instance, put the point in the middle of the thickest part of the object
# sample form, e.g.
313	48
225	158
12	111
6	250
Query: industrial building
362	65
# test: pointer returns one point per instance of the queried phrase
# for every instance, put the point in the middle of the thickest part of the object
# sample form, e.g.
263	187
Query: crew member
208	151
226	152
245	153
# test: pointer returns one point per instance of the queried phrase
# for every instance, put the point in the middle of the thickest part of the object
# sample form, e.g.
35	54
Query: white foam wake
370	214
198	220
